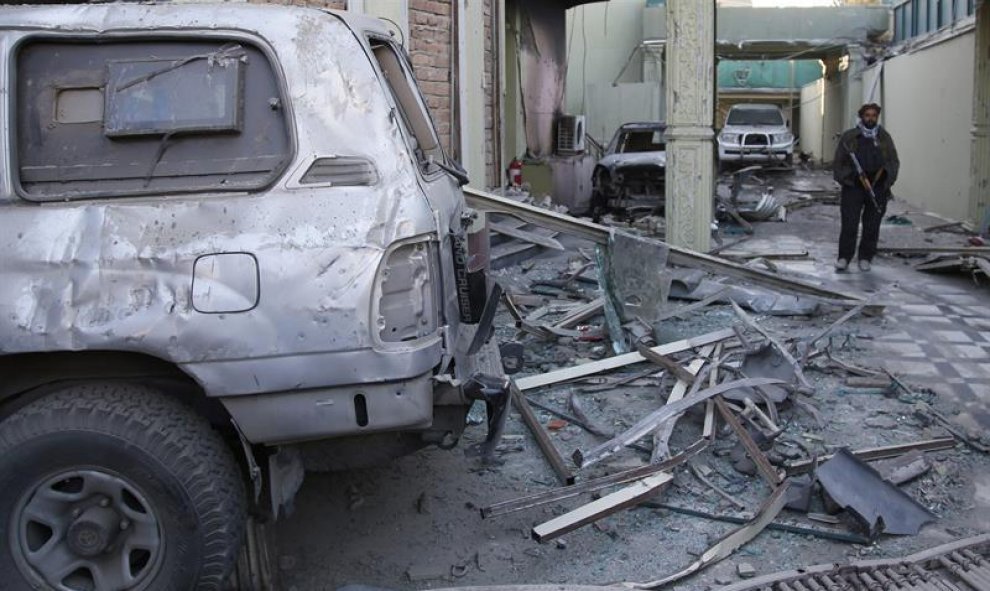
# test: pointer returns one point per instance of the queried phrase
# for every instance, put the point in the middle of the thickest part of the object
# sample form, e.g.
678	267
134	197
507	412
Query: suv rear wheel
116	487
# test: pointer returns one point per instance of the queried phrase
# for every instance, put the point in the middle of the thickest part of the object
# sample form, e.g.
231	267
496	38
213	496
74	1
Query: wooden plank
963	250
708	430
657	418
944	226
520	234
770	255
590	486
489	202
570	373
579	315
550	452
528	299
871	454
941	264
714	487
621	499
661	437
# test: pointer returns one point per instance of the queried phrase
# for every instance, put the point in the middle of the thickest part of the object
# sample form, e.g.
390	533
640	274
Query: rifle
865	180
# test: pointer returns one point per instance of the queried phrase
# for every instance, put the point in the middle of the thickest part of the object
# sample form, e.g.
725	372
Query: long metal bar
967	250
767	513
657	417
677	256
878	453
784	527
542	439
630	496
676	369
610	363
590	486
584	424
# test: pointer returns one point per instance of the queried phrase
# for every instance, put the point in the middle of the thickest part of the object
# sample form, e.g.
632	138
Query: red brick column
431	45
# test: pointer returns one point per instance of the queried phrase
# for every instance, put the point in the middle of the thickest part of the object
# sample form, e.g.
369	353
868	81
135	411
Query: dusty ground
415	523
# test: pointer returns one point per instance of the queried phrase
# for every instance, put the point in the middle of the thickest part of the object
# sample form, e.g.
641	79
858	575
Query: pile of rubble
593	331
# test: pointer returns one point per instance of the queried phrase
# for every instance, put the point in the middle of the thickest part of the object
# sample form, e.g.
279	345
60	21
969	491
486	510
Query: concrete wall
608	107
928	108
601	38
737	24
835	118
810	129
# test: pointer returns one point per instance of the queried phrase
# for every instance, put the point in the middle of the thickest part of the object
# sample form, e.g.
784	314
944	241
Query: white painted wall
607	107
471	88
833	123
927	100
810	128
396	11
601	37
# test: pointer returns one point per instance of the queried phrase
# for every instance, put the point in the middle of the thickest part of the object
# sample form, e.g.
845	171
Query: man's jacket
843	169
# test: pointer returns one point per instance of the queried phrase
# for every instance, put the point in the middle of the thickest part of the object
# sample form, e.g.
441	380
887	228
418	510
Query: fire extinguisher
515	173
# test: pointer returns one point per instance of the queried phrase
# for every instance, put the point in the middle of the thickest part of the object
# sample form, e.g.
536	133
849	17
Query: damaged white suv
231	247
756	133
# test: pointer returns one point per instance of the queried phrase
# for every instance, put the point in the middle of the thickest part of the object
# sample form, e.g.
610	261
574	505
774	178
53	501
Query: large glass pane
164	97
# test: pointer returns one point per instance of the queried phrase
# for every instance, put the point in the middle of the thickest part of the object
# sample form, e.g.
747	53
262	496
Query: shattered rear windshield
754	117
200	93
647	140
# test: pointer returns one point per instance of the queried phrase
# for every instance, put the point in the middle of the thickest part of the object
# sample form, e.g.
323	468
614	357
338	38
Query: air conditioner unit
570	134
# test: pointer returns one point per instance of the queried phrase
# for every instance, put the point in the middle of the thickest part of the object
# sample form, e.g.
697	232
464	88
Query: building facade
934	85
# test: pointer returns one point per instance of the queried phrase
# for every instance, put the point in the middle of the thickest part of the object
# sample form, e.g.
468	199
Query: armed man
866	166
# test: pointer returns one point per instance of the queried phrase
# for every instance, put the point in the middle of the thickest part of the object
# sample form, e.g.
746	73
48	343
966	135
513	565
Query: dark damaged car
633	171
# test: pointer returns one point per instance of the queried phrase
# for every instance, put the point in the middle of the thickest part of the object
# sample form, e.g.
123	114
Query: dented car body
633	170
245	204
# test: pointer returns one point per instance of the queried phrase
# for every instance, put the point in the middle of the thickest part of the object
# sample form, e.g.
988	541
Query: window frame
191	35
430	174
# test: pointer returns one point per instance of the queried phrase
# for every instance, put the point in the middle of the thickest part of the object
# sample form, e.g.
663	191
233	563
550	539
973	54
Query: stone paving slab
939	334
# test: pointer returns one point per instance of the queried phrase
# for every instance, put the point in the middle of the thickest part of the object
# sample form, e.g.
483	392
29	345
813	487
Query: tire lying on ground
116	486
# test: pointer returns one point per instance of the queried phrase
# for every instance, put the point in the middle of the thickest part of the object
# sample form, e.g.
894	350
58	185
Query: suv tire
103	474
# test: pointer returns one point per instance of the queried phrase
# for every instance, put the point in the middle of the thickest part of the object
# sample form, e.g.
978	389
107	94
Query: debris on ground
602	315
728	406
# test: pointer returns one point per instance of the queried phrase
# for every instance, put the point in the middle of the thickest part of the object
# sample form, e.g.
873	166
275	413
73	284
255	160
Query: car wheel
116	486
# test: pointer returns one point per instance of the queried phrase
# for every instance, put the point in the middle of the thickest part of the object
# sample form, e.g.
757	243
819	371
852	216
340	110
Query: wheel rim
84	530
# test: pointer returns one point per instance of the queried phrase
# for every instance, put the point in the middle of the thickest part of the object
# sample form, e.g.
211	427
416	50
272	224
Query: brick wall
432	41
431	45
493	176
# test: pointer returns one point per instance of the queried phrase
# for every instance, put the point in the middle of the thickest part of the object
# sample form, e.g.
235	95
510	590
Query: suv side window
410	103
135	117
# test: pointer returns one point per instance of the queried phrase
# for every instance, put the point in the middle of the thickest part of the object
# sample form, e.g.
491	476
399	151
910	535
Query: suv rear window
410	104
138	117
754	117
